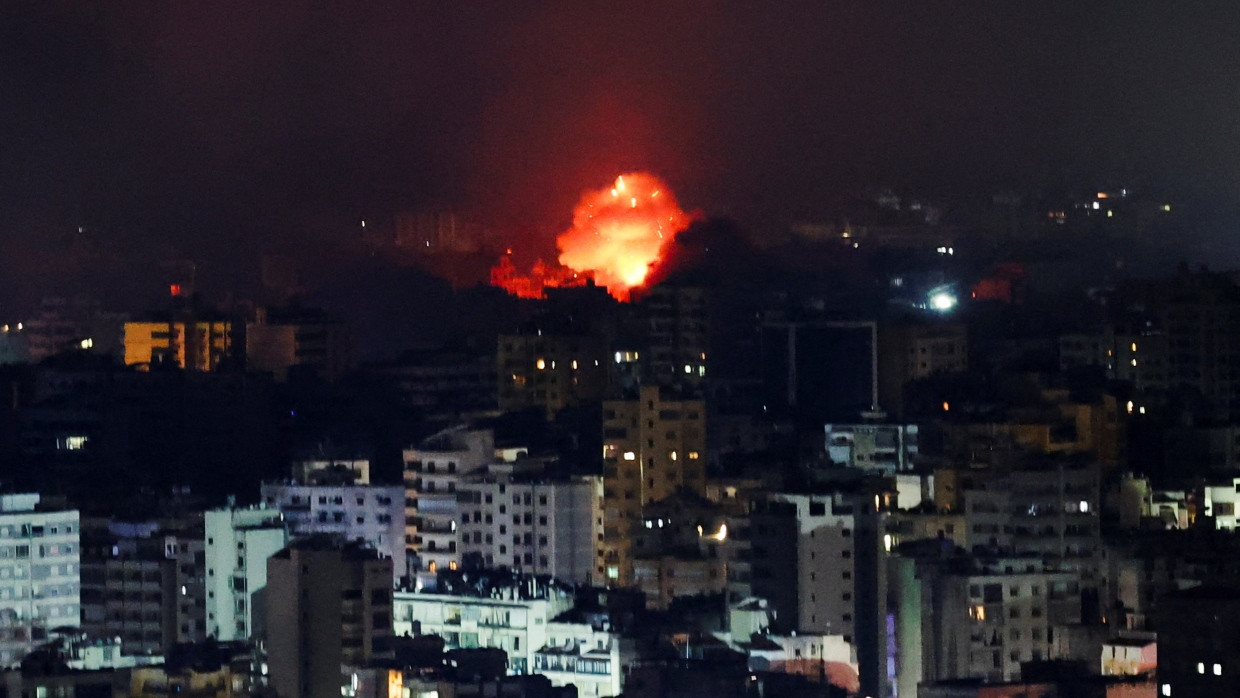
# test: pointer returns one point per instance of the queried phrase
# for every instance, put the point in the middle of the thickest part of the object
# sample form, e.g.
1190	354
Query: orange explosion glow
618	234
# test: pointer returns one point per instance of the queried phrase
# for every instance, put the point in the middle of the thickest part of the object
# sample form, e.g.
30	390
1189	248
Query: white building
370	513
1221	503
238	543
517	626
40	574
592	659
545	527
1132	655
432	472
888	448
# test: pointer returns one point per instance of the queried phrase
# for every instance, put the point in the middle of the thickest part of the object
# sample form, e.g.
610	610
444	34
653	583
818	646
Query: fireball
619	233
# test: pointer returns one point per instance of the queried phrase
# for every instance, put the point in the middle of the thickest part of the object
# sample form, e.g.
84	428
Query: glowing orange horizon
619	233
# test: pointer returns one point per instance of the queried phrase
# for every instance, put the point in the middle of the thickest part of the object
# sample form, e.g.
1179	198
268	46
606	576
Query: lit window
693	455
629	455
1218	669
1201	667
73	443
1166	689
673	455
540	364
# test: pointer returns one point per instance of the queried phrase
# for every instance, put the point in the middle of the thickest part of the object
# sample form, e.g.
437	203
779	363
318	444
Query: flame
614	240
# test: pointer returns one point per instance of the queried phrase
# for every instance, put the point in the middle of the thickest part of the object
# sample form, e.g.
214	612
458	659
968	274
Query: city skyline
216	134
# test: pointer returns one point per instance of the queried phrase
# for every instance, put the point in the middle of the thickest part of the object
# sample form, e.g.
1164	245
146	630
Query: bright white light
942	301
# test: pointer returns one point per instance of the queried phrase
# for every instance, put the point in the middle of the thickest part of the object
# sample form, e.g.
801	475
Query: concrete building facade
329	606
652	447
39	573
238	543
533	525
433	472
373	514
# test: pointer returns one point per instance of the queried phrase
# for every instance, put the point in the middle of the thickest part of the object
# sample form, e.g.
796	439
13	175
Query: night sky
215	130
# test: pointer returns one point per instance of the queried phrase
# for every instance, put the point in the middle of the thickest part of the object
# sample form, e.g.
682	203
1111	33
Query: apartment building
238	543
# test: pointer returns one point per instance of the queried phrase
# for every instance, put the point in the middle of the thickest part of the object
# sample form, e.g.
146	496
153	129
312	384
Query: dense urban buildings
461	351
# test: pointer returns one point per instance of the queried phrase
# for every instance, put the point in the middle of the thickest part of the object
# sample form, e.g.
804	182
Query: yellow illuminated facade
190	344
652	447
552	372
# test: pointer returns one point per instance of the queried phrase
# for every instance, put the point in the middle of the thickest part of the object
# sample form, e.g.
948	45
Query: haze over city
213	133
561	349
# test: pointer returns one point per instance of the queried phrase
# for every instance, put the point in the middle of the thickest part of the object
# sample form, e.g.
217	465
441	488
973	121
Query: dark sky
213	129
